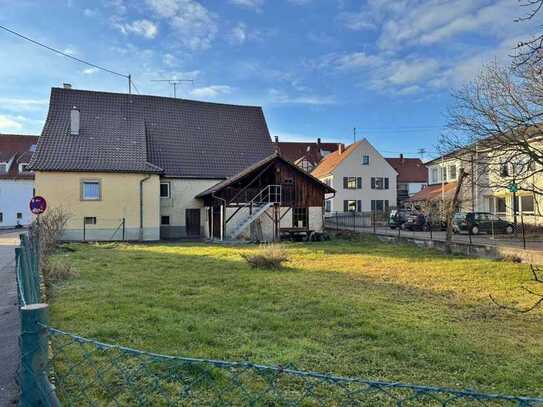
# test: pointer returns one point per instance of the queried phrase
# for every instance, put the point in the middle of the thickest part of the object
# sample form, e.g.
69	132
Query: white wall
15	196
414	187
352	167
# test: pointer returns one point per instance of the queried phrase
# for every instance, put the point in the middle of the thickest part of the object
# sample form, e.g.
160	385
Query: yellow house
132	167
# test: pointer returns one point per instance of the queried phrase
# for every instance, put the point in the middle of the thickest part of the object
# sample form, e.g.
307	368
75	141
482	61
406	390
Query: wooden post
35	387
212	237
222	222
124	229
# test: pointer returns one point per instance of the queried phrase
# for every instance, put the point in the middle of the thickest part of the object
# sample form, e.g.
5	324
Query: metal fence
527	233
58	367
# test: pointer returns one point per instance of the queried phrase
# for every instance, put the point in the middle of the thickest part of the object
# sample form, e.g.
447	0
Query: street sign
513	187
38	205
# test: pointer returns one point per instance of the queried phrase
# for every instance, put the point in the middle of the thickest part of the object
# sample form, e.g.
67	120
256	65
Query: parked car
397	218
417	221
478	222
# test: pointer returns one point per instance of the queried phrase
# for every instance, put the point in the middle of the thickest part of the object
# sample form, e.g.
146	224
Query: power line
69	56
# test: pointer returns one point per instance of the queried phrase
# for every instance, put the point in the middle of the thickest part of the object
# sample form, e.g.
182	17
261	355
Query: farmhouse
412	176
146	167
16	181
306	155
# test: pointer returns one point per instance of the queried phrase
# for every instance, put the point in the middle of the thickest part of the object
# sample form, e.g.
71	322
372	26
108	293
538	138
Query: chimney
401	158
67	85
277	139
340	148
74	121
319	141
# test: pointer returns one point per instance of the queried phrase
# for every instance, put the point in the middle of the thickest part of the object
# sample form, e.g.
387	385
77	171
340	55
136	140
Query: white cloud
210	92
144	28
407	72
89	12
278	96
238	34
89	71
195	25
349	61
10	123
253	4
18	105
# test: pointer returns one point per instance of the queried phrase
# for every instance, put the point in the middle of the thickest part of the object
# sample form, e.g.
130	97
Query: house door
192	222
216	222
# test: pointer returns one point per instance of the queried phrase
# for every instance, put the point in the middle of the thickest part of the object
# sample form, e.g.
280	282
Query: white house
16	182
364	181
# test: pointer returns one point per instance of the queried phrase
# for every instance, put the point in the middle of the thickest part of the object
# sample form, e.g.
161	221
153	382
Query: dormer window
3	168
23	168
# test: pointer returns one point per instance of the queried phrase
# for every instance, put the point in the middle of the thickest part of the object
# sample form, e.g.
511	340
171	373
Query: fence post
124	230
523	231
84	229
337	222
35	388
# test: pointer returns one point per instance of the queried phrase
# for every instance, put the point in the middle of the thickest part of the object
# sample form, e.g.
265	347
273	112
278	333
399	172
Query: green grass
360	308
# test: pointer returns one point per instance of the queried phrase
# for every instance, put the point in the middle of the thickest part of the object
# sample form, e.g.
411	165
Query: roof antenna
421	151
174	82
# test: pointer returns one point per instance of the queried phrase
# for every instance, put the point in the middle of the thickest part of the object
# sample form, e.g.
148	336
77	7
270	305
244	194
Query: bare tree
531	50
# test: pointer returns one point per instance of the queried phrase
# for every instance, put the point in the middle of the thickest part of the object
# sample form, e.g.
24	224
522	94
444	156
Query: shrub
270	256
50	230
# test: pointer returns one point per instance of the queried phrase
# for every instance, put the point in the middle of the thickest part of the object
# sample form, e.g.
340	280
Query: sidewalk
9	320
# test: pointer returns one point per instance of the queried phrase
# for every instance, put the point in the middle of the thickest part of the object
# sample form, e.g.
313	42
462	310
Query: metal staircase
262	201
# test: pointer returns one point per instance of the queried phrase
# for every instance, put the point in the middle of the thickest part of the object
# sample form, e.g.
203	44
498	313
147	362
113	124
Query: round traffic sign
38	205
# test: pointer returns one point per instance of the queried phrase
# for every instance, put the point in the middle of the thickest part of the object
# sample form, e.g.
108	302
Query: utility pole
174	82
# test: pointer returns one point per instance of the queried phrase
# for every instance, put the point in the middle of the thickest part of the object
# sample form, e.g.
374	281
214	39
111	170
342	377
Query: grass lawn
359	308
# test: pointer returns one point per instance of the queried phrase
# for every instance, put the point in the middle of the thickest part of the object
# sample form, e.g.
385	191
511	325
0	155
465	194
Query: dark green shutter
345	206
386	183
372	182
359	182
359	206
345	182
373	204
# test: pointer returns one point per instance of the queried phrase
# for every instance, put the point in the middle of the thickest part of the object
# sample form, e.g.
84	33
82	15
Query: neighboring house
16	181
364	181
136	167
412	176
305	155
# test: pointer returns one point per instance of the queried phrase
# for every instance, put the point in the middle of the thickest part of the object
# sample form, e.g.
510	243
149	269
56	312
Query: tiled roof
16	149
258	165
331	161
409	169
293	151
434	192
139	133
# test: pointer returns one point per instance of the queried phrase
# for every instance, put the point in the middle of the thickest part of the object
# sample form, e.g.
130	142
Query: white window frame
363	160
169	190
434	175
21	171
91	181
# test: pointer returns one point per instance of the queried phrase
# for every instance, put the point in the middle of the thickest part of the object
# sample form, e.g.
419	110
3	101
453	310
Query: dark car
397	218
417	221
478	222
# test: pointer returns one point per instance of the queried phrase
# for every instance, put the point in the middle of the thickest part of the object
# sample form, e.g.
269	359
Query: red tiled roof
331	161
409	169
433	192
293	151
16	147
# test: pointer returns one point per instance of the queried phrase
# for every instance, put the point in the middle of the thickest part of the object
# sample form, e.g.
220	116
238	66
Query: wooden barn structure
269	198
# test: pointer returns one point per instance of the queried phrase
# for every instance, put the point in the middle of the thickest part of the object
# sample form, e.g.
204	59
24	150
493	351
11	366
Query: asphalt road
9	320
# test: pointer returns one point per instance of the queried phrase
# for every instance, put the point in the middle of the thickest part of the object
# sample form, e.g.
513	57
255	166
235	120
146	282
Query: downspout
141	206
222	216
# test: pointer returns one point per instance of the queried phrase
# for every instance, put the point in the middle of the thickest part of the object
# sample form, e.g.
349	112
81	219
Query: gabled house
412	176
134	167
364	181
306	155
16	181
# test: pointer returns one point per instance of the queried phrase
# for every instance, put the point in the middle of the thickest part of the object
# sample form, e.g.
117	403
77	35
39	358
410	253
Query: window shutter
386	183
372	182
373	204
359	206
345	206
345	182
359	182
386	205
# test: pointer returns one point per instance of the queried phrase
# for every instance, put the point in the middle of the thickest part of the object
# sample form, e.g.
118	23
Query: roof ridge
154	96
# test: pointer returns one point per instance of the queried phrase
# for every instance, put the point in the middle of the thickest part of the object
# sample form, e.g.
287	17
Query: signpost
37	206
513	188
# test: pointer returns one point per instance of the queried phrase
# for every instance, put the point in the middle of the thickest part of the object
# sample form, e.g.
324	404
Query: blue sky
318	67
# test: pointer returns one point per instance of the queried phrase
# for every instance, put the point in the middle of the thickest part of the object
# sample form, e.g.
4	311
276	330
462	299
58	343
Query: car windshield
459	215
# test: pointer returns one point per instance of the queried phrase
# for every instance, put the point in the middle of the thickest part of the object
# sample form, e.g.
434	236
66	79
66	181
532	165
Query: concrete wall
182	197
352	167
120	199
15	194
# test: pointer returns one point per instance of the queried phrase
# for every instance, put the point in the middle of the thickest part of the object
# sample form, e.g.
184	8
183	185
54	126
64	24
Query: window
19	215
3	168
527	204
300	218
89	220
435	176
164	220
452	172
379	183
23	168
500	205
443	173
164	189
365	160
352	206
379	205
91	191
328	205
352	182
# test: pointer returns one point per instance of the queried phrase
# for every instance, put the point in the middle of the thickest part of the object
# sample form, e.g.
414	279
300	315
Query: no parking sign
38	205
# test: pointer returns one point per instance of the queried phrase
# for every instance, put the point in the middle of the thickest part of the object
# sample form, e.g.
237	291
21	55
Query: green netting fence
59	367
